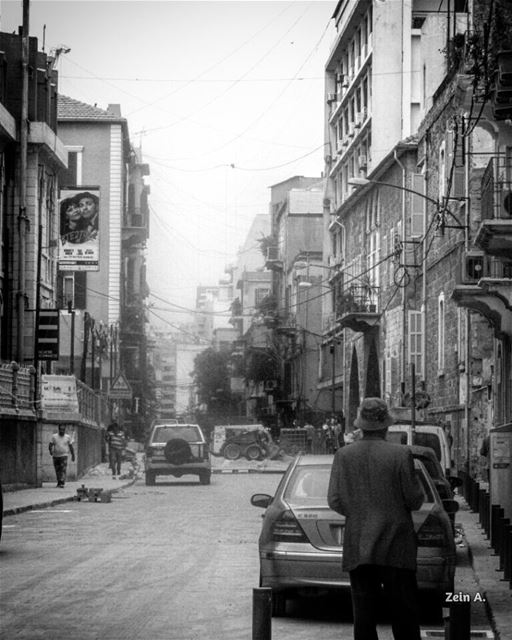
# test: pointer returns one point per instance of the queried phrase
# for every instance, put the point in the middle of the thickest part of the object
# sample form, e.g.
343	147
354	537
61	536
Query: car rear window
308	485
427	492
190	433
428	440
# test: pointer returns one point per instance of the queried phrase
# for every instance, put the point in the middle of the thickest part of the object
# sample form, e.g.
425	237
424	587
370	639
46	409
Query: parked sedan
301	541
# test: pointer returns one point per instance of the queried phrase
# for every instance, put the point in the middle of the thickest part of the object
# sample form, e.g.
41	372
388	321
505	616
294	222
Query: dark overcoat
373	484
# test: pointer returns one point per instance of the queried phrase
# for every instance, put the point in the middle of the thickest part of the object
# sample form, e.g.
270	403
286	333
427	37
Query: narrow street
177	561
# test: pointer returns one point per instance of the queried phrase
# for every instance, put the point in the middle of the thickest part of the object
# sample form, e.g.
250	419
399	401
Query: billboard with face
79	211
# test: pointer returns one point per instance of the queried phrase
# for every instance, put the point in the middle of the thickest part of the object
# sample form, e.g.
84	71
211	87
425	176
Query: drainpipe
468	354
404	297
22	211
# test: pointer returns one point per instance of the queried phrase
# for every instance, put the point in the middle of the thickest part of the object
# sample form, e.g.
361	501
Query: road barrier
262	613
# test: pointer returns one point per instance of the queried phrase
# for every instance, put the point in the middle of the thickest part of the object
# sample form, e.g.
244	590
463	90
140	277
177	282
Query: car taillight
431	533
287	529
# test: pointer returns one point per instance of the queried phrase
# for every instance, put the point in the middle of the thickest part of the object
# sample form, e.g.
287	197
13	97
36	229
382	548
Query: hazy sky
226	99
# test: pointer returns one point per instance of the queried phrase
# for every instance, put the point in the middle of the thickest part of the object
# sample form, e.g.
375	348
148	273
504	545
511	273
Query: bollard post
495	515
502	523
262	613
506	548
459	623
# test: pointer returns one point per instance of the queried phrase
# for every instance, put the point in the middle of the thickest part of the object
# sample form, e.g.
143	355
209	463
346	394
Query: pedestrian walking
116	444
373	484
60	447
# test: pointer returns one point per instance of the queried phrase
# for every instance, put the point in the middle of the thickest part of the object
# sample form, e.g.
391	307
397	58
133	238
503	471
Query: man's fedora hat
373	415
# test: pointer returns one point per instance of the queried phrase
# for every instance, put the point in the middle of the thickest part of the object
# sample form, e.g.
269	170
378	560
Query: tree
210	373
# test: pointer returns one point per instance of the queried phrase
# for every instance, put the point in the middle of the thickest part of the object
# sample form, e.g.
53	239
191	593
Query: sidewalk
477	573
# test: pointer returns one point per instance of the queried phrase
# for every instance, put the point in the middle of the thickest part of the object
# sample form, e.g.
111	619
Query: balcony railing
16	386
496	189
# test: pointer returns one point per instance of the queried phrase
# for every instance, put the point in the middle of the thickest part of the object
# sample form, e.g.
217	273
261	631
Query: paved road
177	561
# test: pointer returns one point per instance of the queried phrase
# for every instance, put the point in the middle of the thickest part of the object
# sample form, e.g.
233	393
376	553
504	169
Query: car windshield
428	440
188	432
308	485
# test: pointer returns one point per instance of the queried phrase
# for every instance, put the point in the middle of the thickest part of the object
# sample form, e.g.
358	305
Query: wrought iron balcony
357	308
494	235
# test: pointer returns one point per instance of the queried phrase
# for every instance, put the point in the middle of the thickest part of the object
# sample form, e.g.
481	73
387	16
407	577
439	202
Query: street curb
228	471
50	503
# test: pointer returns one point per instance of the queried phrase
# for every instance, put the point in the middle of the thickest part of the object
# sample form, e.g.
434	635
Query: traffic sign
47	334
120	388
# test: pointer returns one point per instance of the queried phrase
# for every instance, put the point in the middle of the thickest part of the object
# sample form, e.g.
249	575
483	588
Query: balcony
494	235
357	308
485	286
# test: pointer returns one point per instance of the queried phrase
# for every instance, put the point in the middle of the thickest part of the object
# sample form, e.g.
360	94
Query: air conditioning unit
474	267
362	161
270	385
332	97
351	129
272	254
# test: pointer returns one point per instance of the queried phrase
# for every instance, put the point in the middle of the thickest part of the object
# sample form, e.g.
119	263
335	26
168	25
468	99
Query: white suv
177	450
425	435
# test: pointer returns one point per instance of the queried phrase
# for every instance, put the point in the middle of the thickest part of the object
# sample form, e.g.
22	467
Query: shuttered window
417	206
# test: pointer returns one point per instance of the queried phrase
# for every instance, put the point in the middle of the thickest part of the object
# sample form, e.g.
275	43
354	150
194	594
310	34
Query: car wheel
278	604
150	478
232	451
253	452
177	451
204	478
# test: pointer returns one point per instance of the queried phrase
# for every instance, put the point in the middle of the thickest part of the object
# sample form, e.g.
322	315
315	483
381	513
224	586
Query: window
440	334
72	177
417	206
260	295
72	289
416	341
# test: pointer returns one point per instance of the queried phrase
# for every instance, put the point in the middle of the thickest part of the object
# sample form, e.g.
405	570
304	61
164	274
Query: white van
424	435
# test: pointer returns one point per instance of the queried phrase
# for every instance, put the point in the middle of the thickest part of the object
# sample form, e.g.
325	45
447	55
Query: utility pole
22	211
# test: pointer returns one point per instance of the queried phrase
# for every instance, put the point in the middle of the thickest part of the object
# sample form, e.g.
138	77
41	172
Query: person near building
116	444
310	432
60	447
373	484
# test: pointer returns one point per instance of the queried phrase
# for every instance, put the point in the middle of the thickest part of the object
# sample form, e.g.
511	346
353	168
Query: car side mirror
261	500
450	506
455	481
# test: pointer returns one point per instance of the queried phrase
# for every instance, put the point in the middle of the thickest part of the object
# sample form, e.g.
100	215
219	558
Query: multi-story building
420	236
294	255
103	284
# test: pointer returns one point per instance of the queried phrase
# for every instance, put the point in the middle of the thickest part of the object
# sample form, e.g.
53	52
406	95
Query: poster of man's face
79	211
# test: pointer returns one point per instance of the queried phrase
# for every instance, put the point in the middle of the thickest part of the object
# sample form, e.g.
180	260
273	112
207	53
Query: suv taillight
287	529
431	533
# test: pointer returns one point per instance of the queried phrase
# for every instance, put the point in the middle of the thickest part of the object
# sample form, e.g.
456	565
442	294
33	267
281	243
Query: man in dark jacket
373	484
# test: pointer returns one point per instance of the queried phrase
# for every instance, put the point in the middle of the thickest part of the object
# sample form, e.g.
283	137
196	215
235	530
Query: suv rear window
188	432
428	440
398	437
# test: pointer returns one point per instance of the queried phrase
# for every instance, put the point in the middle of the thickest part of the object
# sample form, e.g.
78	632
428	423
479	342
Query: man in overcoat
373	484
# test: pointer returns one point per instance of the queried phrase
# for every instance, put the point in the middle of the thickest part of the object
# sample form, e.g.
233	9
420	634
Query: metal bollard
506	550
459	623
496	514
262	613
502	524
